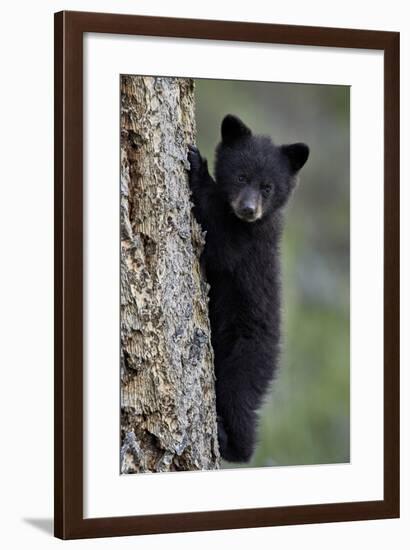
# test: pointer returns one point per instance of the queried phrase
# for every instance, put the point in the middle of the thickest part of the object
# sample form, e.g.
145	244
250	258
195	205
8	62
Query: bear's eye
241	178
266	187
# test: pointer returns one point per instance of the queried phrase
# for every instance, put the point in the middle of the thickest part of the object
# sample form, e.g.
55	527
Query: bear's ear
232	129
297	154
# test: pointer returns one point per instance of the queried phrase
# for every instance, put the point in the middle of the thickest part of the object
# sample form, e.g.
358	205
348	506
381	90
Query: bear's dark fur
241	213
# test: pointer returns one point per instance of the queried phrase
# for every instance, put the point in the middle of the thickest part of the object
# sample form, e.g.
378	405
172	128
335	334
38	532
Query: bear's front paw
198	165
194	158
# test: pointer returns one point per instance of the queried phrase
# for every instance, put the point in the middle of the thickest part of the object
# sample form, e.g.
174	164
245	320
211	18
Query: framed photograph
226	275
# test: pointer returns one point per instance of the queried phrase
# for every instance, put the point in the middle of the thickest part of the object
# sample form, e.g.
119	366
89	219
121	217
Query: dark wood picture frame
69	30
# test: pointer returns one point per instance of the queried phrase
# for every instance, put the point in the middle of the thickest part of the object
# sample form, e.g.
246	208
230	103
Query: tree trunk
168	418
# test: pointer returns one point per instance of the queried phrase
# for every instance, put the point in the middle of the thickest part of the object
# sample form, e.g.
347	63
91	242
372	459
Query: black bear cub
241	213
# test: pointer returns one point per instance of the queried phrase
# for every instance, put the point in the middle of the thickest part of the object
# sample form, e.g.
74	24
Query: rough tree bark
168	419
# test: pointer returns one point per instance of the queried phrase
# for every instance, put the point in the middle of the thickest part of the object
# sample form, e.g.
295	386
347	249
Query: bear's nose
248	211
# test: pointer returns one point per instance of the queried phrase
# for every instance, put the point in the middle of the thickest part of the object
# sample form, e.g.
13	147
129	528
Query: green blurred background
306	418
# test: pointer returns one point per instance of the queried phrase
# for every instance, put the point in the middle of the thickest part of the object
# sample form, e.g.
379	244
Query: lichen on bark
168	418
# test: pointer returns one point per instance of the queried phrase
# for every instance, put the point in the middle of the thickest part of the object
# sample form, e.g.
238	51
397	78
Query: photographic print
218	296
235	201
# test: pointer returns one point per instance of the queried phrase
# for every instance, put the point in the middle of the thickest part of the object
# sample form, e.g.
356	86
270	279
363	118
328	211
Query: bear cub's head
255	176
